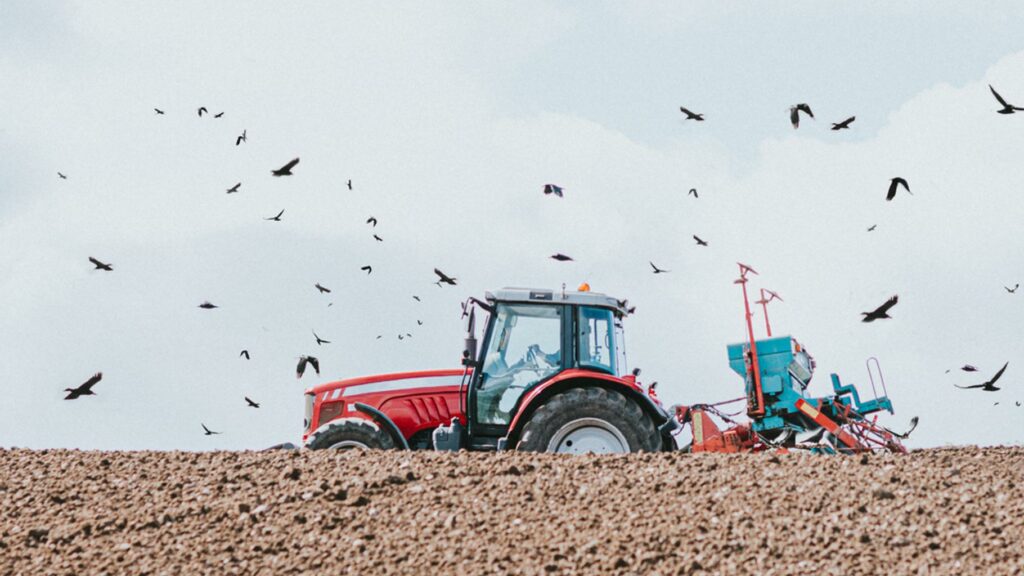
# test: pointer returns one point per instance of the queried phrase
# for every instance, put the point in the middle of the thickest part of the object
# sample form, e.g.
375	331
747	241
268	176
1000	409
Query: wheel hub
588	435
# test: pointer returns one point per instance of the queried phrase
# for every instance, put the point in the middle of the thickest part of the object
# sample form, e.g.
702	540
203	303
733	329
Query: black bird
250	402
100	265
1017	403
693	192
276	218
158	111
244	353
320	341
322	289
553	189
880	312
285	170
968	368
218	115
894	184
699	241
561	258
400	337
202	110
372	220
303	360
1007	107
691	115
656	269
85	388
234	188
990	385
207	306
241	138
368	269
794	113
379	336
207	431
624	304
62	176
378	238
416	298
1014	289
444	277
872	228
419	322
349	183
844	125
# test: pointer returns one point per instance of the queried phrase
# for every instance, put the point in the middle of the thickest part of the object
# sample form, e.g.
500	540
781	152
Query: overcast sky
449	118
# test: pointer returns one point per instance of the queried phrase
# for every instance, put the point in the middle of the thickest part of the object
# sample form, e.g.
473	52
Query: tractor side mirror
469	349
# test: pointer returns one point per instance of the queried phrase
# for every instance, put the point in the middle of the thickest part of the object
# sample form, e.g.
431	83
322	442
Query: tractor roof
543	295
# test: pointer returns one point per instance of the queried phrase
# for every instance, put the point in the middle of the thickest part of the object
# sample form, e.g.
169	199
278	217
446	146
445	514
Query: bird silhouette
85	388
657	270
158	111
241	138
320	341
990	385
349	183
880	312
378	238
285	170
301	368
202	110
693	192
1007	107
416	298
218	115
100	265
250	402
442	277
419	322
207	306
244	353
276	218
561	258
1012	290
844	125
894	184
624	304
207	431
699	241
371	220
234	188
368	269
794	113
968	368
62	176
691	115
872	228
322	289
553	189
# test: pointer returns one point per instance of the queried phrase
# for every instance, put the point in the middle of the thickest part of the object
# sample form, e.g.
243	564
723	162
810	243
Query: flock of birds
554	190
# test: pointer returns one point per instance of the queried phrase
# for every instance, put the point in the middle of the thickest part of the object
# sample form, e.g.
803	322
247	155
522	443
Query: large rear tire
349	434
582	420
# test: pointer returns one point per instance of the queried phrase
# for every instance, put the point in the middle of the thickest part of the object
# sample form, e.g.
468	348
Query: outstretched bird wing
301	368
289	165
998	375
88	384
998	97
884	308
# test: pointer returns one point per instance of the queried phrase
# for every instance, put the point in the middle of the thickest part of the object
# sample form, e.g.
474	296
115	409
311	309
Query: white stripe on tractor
403	384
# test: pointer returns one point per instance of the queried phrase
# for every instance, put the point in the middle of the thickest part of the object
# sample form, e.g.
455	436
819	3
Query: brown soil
945	511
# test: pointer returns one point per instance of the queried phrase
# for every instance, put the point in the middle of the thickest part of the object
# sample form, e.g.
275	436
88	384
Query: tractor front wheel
594	420
349	434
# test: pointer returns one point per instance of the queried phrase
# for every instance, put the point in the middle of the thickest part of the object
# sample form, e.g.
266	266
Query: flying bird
844	125
276	218
207	431
368	269
416	298
624	304
794	113
62	176
207	306
553	189
320	341
656	269
990	385
693	192
378	238
85	388
250	402
100	265
968	368
1012	290
691	115
561	258
244	353
1007	107
158	111
234	188
894	184
202	110
880	312
241	138
444	277
349	183
285	170
322	289
419	322
303	360
872	228
699	241
371	220
218	115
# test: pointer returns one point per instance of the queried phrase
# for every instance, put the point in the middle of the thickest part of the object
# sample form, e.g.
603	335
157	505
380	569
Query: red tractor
549	377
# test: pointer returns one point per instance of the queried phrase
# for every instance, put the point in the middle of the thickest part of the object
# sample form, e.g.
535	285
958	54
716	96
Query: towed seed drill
551	376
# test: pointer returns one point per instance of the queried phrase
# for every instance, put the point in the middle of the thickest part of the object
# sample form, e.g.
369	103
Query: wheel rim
588	435
348	445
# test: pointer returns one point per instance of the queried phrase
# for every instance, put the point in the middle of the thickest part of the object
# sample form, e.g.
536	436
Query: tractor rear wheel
591	419
349	434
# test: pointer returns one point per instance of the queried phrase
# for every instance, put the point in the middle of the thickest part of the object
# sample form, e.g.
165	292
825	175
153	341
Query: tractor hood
386	383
